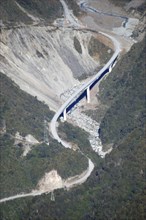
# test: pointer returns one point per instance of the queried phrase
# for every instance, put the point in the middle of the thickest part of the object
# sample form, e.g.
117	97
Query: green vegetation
99	51
79	137
20	111
10	13
21	174
45	9
24	113
116	188
125	94
77	45
98	113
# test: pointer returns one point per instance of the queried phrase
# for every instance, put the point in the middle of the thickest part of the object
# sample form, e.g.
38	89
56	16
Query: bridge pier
88	94
114	64
64	114
110	69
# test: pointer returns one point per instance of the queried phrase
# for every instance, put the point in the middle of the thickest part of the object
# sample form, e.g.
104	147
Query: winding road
53	125
82	89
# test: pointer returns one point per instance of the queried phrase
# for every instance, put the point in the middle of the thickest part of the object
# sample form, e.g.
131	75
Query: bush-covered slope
11	13
24	113
45	9
48	10
96	48
124	90
115	190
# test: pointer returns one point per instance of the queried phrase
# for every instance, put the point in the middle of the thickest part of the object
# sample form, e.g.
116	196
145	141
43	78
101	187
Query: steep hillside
116	188
23	113
11	12
45	61
124	90
45	9
18	113
17	12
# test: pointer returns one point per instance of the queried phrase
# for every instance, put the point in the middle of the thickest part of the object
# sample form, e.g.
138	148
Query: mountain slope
23	113
116	188
44	61
11	13
125	93
14	12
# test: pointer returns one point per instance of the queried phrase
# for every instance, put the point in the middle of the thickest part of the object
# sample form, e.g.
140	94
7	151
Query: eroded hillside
44	61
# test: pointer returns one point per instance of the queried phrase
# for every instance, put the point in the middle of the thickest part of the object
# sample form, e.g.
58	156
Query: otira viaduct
84	91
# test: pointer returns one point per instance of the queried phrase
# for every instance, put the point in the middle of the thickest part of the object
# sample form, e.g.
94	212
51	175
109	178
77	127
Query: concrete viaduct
84	91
